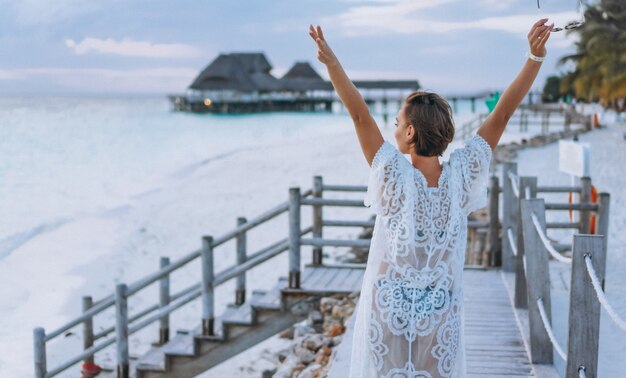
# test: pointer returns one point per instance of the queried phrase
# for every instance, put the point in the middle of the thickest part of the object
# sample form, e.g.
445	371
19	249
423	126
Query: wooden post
240	293
509	206
208	296
88	329
39	346
294	238
545	122
602	218
164	300
539	285
568	119
525	121
121	330
584	309
521	298
495	247
317	219
585	197
587	122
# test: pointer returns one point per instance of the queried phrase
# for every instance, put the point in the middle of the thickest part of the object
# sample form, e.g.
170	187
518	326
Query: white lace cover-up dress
409	320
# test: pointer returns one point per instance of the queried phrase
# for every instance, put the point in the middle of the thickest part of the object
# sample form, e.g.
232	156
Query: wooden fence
167	302
526	252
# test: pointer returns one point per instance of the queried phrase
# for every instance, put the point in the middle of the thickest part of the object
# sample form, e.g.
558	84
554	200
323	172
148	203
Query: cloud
384	16
129	47
497	5
97	80
396	19
46	12
8	75
563	40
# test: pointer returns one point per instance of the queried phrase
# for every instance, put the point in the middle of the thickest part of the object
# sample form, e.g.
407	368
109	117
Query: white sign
574	158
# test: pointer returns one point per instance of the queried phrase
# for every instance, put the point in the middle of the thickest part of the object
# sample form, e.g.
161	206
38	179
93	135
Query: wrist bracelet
535	57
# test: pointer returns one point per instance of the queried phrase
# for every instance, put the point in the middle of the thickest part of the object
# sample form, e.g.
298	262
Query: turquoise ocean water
70	156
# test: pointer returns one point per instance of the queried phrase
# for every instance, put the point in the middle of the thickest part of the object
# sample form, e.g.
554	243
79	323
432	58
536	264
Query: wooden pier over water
508	331
240	83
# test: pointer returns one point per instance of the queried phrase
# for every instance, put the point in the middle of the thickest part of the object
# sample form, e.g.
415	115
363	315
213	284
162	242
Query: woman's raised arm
493	127
367	131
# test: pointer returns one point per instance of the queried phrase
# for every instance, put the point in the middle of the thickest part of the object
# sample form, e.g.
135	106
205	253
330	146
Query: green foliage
600	58
552	89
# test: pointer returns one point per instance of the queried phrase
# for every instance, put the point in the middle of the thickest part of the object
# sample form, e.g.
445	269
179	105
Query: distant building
242	83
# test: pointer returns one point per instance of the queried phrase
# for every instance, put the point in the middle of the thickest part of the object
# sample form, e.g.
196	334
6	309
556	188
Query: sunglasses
570	25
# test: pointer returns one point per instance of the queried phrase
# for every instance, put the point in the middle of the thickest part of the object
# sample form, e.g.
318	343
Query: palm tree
600	58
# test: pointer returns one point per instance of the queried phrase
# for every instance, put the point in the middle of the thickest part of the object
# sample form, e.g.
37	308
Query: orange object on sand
596	121
90	370
592	216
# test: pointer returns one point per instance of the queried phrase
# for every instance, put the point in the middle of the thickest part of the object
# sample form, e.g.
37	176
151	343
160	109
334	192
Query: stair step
271	299
239	315
181	344
152	361
218	329
265	301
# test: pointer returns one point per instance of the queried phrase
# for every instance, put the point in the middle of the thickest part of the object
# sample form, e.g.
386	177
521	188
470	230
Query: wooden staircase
239	327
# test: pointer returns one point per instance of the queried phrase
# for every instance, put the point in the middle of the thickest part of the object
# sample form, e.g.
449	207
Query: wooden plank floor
494	345
493	342
329	279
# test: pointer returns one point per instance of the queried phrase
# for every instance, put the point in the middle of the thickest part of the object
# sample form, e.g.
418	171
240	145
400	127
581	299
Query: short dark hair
431	117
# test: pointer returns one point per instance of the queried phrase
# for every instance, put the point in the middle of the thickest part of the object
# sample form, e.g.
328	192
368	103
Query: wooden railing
532	115
526	252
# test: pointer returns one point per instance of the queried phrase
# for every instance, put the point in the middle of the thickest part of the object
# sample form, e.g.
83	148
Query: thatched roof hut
250	72
245	72
302	77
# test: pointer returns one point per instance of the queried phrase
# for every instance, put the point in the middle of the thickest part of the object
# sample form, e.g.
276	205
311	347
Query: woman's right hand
324	52
538	36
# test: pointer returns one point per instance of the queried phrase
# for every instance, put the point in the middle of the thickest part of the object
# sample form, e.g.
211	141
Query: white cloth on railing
409	321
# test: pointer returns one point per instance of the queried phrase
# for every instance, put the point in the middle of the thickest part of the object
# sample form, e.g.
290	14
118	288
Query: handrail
133	288
572	206
468	127
546	242
332	202
258	256
601	297
535	283
548	328
514	184
559	189
272	213
344	188
512	242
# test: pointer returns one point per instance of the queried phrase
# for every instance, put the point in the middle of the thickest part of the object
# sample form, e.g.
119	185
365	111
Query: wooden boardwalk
495	345
329	279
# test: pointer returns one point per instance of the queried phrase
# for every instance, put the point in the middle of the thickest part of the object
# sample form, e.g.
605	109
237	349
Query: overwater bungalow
242	83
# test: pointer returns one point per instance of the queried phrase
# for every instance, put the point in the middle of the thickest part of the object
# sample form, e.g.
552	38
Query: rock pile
314	340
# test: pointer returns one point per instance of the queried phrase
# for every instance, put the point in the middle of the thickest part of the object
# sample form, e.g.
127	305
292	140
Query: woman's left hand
538	36
324	52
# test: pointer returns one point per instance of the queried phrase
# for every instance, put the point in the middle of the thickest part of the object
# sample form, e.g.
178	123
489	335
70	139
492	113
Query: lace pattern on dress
412	302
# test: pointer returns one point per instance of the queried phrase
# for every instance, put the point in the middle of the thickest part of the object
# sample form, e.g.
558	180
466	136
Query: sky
158	47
